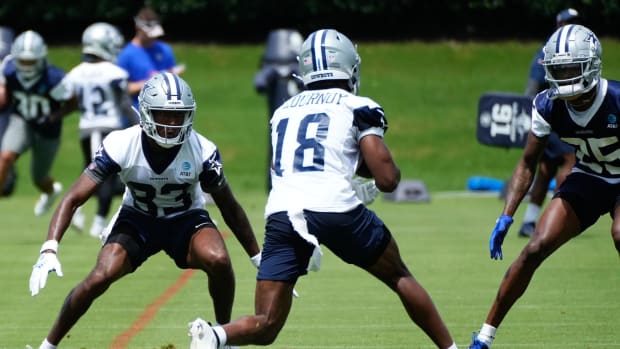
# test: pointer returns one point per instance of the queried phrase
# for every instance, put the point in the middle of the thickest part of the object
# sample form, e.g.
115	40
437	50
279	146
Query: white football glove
47	263
366	191
256	262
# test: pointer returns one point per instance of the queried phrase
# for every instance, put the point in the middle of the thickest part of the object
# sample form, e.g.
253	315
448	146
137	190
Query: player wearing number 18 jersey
166	166
320	139
315	136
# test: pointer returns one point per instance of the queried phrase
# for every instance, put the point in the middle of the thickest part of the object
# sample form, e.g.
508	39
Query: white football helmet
30	53
572	61
166	92
329	55
102	40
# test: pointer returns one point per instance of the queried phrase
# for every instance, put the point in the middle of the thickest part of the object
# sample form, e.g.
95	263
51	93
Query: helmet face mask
329	55
169	123
102	40
30	53
167	109
572	61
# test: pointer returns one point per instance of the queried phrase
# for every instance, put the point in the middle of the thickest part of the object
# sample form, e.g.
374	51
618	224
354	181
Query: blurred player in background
146	55
559	157
321	138
100	87
6	39
35	116
582	108
166	167
278	77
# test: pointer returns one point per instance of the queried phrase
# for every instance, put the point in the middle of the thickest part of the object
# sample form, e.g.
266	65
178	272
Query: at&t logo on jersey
186	170
612	121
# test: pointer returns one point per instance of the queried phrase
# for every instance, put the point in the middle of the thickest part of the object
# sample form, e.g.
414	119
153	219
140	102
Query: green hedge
250	21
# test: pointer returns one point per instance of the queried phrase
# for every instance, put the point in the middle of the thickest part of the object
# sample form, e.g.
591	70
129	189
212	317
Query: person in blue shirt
145	55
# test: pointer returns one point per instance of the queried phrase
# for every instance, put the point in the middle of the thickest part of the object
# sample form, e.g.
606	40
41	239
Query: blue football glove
497	237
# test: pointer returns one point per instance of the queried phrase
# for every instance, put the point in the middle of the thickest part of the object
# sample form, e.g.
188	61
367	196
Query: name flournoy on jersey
315	140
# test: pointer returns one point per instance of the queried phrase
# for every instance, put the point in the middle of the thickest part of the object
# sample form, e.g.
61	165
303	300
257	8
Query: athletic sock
531	213
221	335
487	334
47	345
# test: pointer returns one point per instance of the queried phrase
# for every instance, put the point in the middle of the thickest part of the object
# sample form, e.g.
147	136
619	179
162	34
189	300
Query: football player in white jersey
584	110
321	138
100	88
166	167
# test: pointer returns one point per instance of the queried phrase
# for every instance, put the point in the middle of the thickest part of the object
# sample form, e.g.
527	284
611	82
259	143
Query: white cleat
47	200
79	220
202	335
98	226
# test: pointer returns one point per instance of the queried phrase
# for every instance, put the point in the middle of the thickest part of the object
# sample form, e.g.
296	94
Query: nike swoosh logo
200	225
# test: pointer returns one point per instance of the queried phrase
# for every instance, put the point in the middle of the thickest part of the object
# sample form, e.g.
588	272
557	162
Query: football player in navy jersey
35	118
6	39
583	109
166	167
558	158
320	139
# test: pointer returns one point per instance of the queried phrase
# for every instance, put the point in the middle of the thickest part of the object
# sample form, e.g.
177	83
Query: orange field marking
121	341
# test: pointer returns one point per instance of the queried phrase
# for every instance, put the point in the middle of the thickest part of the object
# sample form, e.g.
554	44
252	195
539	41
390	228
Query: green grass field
430	93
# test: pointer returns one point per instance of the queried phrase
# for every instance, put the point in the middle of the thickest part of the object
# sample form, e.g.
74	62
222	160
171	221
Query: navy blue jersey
34	103
537	71
593	132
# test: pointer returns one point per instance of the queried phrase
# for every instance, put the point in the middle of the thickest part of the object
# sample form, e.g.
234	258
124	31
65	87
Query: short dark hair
568	16
147	14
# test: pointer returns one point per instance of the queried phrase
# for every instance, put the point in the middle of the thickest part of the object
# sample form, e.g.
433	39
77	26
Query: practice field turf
571	303
430	93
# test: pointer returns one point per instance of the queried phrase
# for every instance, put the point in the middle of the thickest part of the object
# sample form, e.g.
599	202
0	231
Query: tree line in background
249	21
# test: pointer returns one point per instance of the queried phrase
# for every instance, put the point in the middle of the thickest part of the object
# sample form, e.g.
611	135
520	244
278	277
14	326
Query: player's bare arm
3	96
380	164
66	108
83	188
236	219
524	173
134	87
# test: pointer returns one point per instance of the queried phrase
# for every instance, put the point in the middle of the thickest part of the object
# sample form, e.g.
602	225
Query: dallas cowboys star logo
215	164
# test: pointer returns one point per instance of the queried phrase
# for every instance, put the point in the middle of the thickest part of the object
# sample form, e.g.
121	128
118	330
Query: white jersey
100	88
315	140
160	189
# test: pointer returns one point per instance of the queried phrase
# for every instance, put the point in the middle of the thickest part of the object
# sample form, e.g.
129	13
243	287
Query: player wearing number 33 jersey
166	166
162	191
